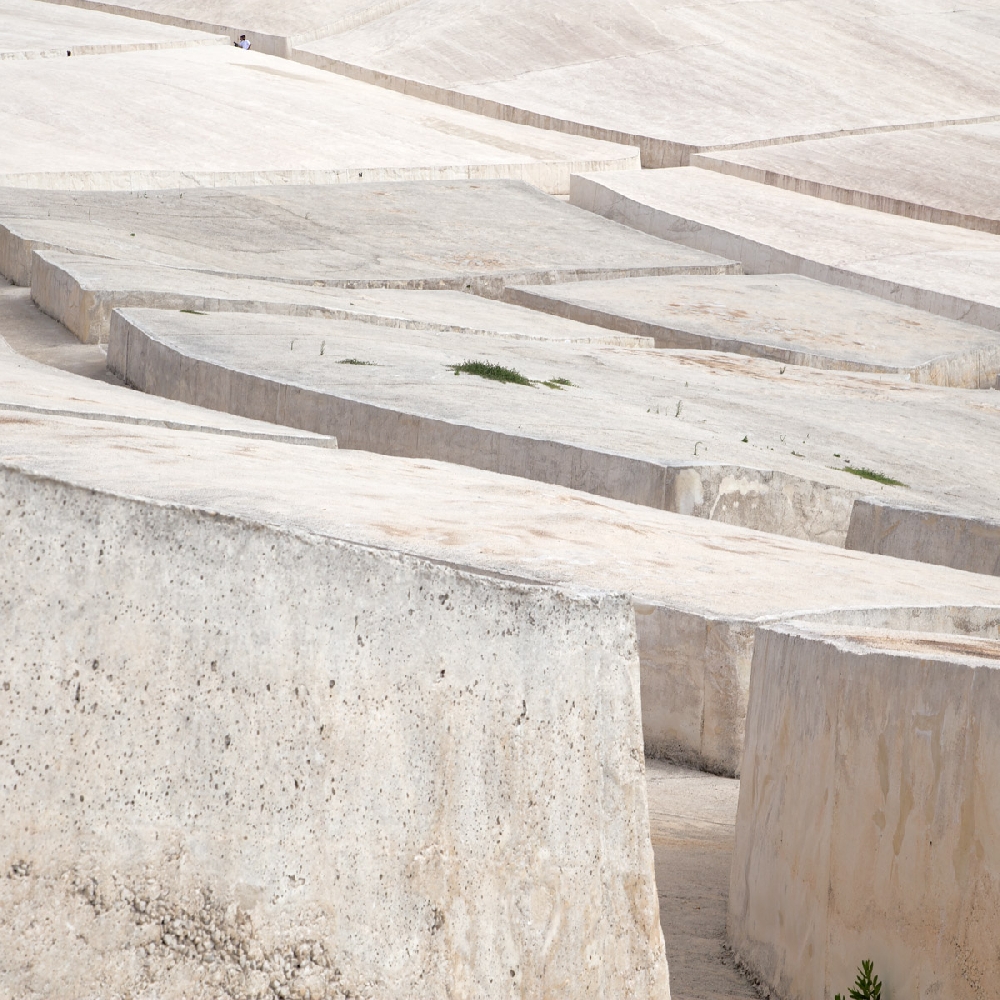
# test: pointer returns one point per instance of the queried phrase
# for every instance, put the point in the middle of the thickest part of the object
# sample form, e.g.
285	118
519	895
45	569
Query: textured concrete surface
692	819
443	234
942	269
31	30
867	826
782	317
676	440
197	809
942	175
81	292
947	538
114	124
680	76
698	589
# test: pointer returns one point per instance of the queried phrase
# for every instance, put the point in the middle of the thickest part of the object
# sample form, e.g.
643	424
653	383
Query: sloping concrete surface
216	115
82	292
944	175
942	269
698	589
782	317
443	234
866	825
682	76
32	30
675	440
402	781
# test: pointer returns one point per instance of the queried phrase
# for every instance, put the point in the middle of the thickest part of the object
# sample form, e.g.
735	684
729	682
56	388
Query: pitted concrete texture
675	442
114	124
32	30
197	810
942	269
946	538
681	76
782	317
443	234
942	175
867	826
81	292
699	590
270	27
37	387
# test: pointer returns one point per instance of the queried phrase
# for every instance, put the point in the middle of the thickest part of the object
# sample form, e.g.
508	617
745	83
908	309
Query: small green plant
878	477
193	312
560	381
353	361
494	372
866	986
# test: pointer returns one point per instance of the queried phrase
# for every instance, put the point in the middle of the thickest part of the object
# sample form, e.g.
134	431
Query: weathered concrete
735	439
942	175
677	77
444	234
81	292
198	811
29	30
256	121
782	317
934	536
699	590
867	822
941	269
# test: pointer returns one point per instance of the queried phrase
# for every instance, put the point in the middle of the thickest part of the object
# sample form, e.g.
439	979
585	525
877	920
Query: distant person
242	43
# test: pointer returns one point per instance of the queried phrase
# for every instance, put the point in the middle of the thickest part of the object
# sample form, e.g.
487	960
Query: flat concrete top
31	29
31	387
438	310
724	72
434	231
942	259
926	170
657	405
752	313
480	520
218	115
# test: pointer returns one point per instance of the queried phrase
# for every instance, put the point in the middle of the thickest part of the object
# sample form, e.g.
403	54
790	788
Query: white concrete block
867	825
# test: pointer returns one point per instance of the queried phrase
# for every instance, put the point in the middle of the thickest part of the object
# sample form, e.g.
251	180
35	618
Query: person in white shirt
242	43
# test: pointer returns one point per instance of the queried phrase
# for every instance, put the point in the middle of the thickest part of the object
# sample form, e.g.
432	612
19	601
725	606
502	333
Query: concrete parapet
867	825
241	756
932	536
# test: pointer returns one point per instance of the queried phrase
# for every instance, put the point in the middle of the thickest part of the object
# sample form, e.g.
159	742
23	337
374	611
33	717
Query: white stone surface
406	782
698	589
784	317
684	75
442	234
947	538
942	269
216	115
81	292
675	441
867	825
944	175
31	30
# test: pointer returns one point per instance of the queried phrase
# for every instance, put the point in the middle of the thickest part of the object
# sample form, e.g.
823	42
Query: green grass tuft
193	312
355	361
871	474
494	372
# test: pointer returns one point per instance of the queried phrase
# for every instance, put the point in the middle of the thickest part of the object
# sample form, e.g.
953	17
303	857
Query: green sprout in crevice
193	312
877	477
867	985
355	361
501	373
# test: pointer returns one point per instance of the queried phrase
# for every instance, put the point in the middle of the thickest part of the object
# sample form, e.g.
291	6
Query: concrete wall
238	761
929	536
869	823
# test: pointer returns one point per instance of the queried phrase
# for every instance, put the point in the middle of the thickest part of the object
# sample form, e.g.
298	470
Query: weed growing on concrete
878	477
193	312
356	361
866	986
494	372
557	383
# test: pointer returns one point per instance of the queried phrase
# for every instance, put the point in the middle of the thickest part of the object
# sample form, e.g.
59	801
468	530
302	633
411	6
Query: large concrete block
868	822
934	536
244	760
